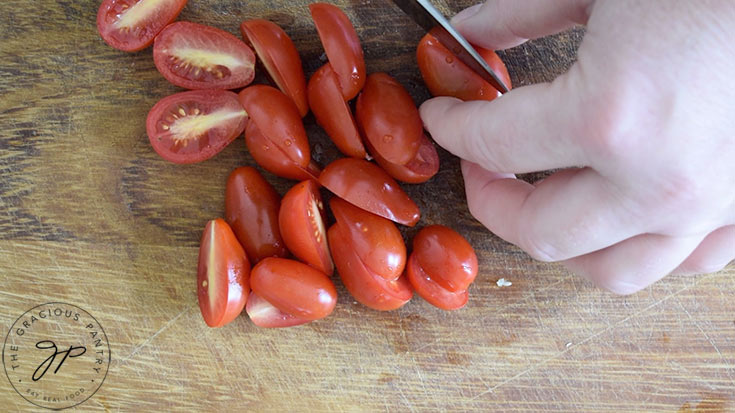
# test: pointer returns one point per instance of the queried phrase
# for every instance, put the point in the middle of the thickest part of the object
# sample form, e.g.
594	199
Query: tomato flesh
264	314
342	47
222	275
280	59
431	291
367	186
446	257
302	225
389	118
194	56
419	169
294	288
366	287
376	240
251	208
195	125
131	25
445	75
332	113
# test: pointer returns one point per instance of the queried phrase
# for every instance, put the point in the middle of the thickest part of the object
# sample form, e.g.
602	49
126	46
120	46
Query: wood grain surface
90	215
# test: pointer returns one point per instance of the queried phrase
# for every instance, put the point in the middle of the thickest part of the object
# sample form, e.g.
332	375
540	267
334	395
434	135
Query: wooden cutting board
90	215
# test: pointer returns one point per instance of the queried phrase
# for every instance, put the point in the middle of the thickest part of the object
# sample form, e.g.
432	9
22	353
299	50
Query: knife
427	16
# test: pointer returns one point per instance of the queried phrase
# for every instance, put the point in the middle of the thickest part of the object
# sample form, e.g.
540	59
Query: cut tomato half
294	288
271	158
365	286
332	113
279	57
193	126
222	275
251	208
367	186
263	314
341	45
445	75
131	25
194	56
376	240
302	225
389	119
431	291
420	169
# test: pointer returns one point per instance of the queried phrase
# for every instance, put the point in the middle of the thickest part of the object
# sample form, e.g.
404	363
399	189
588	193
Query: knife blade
427	16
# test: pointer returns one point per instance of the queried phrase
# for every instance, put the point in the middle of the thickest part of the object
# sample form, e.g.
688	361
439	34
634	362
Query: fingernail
465	14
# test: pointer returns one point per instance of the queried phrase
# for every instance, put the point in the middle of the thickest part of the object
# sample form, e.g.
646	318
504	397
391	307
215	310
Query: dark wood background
90	215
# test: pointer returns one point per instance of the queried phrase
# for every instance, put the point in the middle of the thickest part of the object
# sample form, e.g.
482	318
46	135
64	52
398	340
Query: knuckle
538	249
603	123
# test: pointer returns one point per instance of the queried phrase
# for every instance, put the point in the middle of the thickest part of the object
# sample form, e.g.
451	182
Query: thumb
500	24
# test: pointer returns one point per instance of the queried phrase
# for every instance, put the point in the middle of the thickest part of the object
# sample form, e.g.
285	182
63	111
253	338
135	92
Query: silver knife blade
427	16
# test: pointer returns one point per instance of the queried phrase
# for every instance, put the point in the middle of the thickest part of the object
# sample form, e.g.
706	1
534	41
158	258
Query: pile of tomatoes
260	228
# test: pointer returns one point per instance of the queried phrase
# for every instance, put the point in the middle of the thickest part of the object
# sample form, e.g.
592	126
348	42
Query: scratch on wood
707	337
568	349
160	330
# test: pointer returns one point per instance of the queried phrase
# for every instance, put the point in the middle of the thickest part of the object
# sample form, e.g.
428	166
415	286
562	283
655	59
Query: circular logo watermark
56	355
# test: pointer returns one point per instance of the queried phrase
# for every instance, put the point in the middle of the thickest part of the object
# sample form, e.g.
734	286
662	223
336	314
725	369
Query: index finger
528	129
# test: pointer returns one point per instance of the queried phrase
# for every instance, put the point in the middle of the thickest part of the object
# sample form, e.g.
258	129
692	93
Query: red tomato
332	113
446	257
263	314
131	25
222	275
302	225
376	241
389	119
280	58
445	75
194	56
368	288
367	186
419	169
342	47
278	120
294	288
431	291
251	207
193	126
272	159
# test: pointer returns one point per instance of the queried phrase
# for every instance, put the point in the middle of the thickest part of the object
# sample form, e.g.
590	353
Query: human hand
643	122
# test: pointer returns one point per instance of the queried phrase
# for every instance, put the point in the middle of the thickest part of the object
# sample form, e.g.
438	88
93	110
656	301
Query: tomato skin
445	75
389	118
332	113
294	288
163	118
418	170
376	240
273	160
263	314
365	286
431	291
302	226
111	13
198	71
222	274
367	186
251	208
278	119
280	58
342	47
446	257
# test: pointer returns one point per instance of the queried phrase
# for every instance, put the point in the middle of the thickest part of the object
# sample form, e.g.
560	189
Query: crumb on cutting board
503	283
